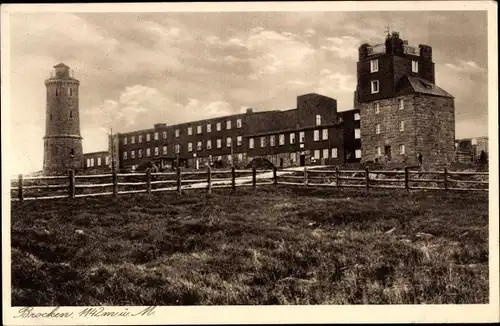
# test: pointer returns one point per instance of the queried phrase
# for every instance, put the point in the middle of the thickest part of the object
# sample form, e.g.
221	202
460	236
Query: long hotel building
313	133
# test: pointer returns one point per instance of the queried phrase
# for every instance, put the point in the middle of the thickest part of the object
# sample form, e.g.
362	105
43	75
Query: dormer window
374	65
374	86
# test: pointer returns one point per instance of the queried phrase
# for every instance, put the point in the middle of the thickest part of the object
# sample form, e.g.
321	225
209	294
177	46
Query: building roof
420	85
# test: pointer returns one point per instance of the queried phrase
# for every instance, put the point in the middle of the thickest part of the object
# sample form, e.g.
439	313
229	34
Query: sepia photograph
284	155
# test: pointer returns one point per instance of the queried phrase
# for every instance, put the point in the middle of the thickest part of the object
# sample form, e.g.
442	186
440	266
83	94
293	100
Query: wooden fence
74	186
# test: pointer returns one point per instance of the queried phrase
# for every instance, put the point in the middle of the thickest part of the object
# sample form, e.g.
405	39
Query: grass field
274	245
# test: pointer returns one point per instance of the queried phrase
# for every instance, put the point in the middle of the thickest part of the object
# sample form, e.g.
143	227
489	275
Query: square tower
405	117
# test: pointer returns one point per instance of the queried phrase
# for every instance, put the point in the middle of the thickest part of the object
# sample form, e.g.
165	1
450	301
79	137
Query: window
325	134
157	135
88	162
92	159
209	144
318	119
70	91
209	127
124	140
219	158
177	148
98	161
357	153
316	154
302	137
124	156
132	154
292	138
57	92
414	66
219	143
377	129
251	143
238	123
228	124
107	160
377	107
157	151
334	153
262	141
229	142
148	152
401	126
199	146
357	133
51	117
239	140
164	135
374	65
132	140
379	151
272	140
325	153
140	138
176	132
356	116
229	157
401	103
190	147
70	114
240	157
190	131
401	149
374	86
139	153
148	137
218	126
293	157
316	135
164	150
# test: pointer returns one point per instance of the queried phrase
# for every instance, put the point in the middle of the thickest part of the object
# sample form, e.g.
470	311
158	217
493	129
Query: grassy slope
295	246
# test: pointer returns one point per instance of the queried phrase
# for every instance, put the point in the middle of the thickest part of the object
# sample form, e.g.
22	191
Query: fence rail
154	182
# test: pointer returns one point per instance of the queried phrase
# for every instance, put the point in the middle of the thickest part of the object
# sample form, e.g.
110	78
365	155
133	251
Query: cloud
310	32
465	66
333	82
345	47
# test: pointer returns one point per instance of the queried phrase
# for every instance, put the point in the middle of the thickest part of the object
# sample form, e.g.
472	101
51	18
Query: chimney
249	110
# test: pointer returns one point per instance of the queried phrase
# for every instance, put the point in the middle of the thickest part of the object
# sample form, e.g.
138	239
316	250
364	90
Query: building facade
62	140
405	117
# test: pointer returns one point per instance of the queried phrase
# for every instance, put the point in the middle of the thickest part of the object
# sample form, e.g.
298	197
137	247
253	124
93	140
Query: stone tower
62	140
403	113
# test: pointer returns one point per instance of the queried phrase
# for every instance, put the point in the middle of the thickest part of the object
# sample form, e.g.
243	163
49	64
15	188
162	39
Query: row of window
374	66
60	91
401	127
281	138
376	107
325	152
402	150
199	130
97	162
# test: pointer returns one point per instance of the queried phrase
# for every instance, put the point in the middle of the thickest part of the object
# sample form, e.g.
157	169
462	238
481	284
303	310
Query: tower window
374	65
377	129
71	113
414	66
401	103
357	133
356	116
402	149
401	126
377	107
57	92
374	86
70	91
72	152
51	117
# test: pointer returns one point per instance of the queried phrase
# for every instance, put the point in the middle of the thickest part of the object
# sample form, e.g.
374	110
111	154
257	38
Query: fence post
367	172
445	179
305	176
148	181
233	177
337	178
209	179
275	175
71	184
179	180
20	187
254	177
115	184
407	179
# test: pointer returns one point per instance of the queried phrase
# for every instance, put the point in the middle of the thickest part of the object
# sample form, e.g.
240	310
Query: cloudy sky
139	69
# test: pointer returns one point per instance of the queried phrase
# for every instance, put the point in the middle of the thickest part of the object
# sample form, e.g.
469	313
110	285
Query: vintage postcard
281	162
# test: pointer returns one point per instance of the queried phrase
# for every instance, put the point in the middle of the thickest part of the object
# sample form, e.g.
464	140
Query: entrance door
387	152
302	160
281	162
